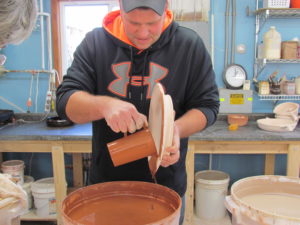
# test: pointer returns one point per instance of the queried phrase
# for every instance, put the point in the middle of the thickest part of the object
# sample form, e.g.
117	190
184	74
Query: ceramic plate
161	123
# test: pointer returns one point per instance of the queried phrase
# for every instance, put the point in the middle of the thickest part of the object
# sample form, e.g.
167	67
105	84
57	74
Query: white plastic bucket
28	180
43	192
211	189
265	200
15	168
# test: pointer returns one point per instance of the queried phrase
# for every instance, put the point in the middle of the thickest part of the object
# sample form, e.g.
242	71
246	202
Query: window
74	19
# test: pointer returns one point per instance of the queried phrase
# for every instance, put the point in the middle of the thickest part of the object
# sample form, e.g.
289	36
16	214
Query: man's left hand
172	153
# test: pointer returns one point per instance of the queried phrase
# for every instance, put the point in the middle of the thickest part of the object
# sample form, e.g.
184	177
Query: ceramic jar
297	81
275	89
289	88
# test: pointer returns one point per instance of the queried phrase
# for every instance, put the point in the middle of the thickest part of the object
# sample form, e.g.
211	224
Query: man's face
143	27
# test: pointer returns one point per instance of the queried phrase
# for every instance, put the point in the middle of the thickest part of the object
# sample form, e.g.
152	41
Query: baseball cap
157	5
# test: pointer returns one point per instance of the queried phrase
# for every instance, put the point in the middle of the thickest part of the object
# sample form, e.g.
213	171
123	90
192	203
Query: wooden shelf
31	216
279	97
225	221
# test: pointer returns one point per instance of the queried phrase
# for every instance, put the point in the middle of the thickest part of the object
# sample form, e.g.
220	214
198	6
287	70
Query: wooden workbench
57	150
268	148
37	137
216	139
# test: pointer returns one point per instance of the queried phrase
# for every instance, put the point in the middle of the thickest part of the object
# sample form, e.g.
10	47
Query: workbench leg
189	195
269	164
77	170
59	175
293	161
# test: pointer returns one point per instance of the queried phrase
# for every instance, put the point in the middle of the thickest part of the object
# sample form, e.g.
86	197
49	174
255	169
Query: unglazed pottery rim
273	179
159	99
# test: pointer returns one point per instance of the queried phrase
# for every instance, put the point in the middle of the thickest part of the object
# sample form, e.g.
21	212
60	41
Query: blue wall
245	34
15	87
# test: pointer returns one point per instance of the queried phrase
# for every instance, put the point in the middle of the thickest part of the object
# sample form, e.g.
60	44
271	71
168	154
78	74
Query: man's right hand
83	107
123	116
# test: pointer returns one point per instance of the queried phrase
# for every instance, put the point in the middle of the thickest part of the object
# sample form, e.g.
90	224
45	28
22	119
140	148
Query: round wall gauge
234	76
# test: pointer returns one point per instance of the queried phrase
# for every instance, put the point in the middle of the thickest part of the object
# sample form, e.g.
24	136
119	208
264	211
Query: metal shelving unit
279	97
268	13
261	63
261	16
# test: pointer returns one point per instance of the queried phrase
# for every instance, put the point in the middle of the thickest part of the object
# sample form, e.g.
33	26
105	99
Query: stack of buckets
210	193
43	190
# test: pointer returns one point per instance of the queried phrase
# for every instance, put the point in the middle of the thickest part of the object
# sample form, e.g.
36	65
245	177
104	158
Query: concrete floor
225	221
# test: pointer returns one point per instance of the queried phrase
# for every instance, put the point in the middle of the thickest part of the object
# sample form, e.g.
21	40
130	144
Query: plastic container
276	3
211	189
15	168
295	4
272	44
122	202
28	180
43	192
264	88
297	81
265	200
289	87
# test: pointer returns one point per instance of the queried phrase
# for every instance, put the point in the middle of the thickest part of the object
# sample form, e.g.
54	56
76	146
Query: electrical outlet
48	101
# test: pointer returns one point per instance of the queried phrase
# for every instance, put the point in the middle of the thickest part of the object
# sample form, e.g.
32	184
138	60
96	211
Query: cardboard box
289	49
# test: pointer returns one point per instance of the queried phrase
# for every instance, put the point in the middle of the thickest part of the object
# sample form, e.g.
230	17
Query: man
17	20
110	83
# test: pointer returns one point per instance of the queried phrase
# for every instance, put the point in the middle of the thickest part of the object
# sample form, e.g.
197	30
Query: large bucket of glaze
122	202
15	168
43	192
211	189
265	200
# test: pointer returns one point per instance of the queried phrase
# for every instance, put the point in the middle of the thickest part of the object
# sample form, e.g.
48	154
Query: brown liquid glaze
122	203
125	210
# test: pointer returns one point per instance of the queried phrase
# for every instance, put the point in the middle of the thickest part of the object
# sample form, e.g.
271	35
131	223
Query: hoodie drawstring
142	98
130	72
143	74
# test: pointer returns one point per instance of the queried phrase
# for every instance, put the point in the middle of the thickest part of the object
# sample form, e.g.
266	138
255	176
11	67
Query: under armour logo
121	71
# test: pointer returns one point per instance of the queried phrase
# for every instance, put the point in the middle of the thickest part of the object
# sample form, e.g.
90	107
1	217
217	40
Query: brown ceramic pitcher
132	147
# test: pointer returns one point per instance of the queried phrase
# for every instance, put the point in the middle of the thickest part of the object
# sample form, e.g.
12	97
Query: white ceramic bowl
277	125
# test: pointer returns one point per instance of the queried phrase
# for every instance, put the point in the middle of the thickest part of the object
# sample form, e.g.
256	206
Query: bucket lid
12	165
45	185
212	177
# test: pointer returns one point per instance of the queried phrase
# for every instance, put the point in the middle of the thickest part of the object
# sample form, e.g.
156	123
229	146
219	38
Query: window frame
56	21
